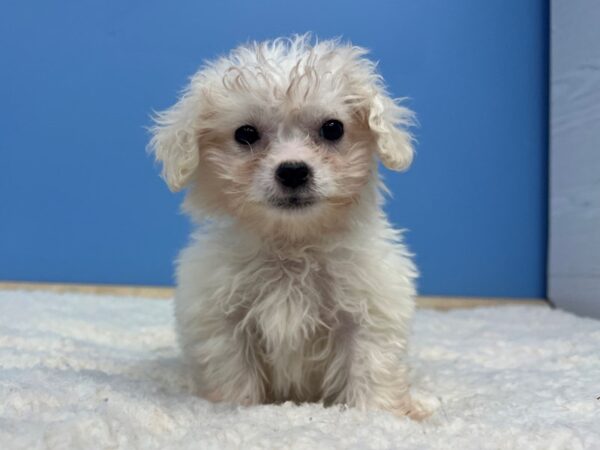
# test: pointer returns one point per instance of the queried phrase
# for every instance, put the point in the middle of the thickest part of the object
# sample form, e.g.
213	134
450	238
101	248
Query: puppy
295	287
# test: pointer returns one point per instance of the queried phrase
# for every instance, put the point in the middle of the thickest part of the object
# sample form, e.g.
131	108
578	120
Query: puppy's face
284	160
282	135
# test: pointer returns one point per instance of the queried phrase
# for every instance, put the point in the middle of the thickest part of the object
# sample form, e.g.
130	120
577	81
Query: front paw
417	406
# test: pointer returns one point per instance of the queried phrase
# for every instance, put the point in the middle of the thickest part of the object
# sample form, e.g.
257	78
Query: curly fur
304	305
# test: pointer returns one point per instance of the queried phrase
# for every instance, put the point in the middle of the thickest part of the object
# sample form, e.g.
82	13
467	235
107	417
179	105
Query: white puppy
295	286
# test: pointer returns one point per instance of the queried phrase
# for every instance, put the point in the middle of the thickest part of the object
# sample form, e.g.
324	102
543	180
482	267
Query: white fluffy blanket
80	371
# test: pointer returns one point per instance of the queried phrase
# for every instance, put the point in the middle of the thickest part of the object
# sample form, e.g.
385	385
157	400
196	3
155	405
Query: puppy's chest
287	303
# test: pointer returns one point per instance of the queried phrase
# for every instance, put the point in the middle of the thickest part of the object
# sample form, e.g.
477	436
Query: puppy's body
272	321
298	288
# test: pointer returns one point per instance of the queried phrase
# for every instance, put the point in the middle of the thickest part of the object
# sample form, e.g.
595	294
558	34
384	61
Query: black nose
293	174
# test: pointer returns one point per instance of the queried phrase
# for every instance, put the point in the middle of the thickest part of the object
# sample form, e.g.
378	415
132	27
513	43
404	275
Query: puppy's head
282	135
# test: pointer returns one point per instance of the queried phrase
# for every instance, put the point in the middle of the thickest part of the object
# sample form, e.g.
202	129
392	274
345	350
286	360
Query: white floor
81	371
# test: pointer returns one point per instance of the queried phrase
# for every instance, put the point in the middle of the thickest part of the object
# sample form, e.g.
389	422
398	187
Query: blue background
81	201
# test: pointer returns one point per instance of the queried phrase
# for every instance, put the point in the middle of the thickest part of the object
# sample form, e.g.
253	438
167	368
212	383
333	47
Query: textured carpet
80	371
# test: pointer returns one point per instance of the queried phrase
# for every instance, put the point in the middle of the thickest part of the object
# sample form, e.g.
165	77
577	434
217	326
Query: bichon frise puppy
295	286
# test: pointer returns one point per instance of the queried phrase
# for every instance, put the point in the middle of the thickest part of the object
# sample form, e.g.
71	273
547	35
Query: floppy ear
389	123
175	140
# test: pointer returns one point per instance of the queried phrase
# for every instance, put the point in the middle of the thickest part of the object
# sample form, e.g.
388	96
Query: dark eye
247	135
332	130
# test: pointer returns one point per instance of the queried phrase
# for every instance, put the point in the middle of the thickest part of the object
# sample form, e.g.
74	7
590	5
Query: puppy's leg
372	373
226	367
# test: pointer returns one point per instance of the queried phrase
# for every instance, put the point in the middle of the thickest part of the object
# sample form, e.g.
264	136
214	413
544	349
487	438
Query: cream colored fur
304	305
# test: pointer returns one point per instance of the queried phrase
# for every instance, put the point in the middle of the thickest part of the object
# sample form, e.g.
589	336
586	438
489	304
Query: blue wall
80	201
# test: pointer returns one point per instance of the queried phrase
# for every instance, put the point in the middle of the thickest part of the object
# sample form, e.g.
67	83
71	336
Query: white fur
309	305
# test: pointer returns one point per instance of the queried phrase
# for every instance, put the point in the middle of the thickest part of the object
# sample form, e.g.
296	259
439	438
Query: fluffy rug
80	371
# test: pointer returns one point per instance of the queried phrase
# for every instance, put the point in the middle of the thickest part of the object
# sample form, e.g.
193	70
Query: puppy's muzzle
293	175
